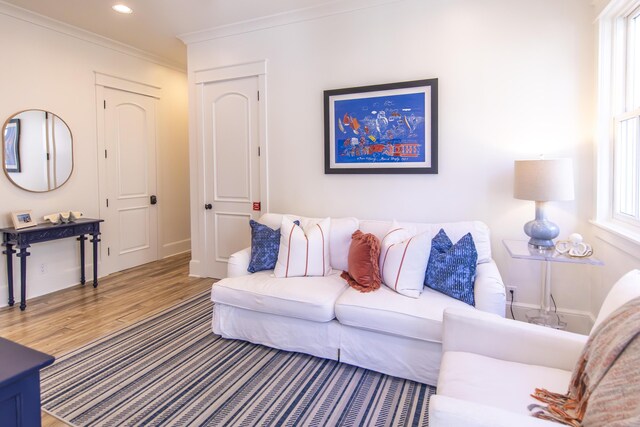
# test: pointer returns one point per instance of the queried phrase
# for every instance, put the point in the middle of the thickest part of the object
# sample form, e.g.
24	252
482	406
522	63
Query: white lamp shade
543	180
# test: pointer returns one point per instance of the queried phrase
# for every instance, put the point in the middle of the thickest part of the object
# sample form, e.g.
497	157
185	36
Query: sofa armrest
445	411
238	263
489	289
473	331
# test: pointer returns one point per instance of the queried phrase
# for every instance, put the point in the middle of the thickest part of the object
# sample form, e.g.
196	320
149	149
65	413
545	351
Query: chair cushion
387	311
494	382
309	298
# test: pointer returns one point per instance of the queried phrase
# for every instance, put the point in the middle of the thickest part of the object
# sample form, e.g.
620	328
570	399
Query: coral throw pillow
303	252
404	261
452	268
364	272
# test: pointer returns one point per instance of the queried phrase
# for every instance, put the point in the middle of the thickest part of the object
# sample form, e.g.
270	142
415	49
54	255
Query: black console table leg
83	279
23	254
9	253
95	239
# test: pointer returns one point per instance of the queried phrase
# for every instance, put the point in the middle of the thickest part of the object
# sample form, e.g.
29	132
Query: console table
18	241
20	384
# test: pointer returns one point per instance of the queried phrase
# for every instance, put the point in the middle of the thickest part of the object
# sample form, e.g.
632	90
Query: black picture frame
386	129
12	146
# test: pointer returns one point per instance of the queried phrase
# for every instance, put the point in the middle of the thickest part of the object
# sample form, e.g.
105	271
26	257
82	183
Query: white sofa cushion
339	235
343	228
472	377
304	249
455	230
389	312
341	231
309	298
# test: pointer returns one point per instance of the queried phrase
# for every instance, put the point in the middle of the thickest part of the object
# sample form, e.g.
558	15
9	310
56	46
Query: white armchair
491	365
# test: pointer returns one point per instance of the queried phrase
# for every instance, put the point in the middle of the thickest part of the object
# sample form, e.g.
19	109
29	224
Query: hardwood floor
60	322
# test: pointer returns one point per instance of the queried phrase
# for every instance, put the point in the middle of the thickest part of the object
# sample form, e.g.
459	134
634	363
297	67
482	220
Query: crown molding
108	80
84	35
286	18
607	9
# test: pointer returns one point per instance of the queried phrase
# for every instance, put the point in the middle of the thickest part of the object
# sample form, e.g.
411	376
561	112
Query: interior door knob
208	206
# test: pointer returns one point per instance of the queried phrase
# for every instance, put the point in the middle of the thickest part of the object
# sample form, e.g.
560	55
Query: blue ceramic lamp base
541	231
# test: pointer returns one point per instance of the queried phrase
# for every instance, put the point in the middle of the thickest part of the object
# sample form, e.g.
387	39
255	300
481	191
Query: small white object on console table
519	249
381	330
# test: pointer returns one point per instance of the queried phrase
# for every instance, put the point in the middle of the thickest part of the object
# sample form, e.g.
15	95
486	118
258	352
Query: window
618	191
626	200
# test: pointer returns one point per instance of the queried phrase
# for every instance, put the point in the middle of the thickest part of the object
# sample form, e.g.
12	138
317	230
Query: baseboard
175	248
577	321
194	268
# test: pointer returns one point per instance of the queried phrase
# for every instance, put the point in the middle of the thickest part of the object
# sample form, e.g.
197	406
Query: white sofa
322	316
490	365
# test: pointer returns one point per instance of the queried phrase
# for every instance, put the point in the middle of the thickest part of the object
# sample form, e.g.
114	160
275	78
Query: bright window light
121	8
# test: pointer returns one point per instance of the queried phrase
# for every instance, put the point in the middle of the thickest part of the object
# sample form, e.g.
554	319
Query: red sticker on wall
256	206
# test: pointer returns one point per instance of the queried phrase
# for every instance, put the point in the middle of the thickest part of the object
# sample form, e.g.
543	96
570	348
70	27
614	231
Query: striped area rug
172	370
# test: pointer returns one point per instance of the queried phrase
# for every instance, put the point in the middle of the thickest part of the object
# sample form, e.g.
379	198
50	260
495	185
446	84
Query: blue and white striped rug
172	370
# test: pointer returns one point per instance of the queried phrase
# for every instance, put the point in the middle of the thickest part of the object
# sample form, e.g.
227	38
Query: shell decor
63	217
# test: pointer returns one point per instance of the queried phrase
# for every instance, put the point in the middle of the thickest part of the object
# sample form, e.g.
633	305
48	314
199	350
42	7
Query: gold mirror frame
49	153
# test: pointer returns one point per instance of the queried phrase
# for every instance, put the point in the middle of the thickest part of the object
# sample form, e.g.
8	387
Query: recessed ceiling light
121	8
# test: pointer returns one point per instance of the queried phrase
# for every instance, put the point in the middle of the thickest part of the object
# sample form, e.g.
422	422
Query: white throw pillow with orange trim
396	234
303	252
403	261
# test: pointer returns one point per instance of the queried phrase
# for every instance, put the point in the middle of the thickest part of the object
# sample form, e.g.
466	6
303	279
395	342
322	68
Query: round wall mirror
38	150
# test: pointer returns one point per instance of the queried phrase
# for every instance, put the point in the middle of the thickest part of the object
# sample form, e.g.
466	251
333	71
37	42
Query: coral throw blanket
605	385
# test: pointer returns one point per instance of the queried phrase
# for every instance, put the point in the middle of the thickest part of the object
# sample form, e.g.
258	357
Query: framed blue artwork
389	128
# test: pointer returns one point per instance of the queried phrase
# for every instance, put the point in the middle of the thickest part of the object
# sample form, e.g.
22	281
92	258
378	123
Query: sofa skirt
321	339
402	357
393	355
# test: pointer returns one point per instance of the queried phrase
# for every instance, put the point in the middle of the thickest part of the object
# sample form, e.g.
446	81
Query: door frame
197	80
108	264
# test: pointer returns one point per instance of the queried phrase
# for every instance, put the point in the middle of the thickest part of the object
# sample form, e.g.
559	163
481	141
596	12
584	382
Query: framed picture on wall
23	219
12	146
388	128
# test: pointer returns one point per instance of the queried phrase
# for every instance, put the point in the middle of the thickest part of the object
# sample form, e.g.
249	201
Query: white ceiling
154	24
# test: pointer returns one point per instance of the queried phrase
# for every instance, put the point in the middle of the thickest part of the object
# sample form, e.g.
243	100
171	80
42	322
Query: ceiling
154	24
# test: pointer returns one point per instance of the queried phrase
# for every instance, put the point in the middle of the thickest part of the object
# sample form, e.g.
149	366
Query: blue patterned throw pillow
265	242
452	268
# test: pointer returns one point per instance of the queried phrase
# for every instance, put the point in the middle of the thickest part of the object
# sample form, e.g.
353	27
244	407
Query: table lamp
543	181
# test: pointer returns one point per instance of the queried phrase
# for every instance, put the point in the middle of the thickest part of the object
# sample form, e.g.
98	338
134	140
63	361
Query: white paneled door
131	217
230	127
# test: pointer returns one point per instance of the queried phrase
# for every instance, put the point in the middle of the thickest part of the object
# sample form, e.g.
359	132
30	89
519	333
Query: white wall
49	70
516	79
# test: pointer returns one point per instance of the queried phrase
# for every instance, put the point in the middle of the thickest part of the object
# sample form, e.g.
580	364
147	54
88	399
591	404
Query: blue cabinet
20	384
